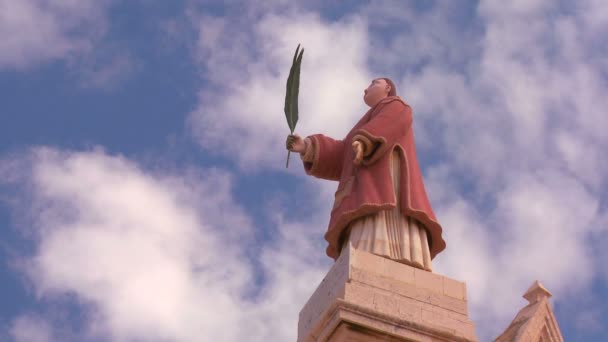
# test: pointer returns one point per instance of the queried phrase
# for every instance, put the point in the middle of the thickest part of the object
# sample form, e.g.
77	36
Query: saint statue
381	205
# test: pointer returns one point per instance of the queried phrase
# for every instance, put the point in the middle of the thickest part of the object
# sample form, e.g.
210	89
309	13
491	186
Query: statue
381	205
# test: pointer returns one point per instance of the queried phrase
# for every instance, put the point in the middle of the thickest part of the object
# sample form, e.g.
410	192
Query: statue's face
376	91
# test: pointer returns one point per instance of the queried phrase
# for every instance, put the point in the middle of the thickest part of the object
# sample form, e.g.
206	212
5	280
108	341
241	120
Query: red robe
368	189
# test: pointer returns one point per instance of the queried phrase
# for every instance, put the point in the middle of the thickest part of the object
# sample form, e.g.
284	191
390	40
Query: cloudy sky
143	188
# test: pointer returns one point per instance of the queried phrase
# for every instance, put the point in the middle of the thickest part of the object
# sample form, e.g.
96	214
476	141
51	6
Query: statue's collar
388	99
391	98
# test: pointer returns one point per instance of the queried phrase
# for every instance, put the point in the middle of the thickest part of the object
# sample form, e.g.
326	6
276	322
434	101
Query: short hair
393	91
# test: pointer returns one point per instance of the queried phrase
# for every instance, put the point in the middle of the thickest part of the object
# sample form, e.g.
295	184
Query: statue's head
379	89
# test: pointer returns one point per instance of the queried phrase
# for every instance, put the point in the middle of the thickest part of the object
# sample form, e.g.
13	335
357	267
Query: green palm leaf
296	89
291	93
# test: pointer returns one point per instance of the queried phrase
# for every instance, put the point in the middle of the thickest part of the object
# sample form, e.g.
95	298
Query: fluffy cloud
156	256
31	329
36	31
240	112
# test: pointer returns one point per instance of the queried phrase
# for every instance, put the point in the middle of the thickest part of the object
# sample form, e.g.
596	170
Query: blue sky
143	188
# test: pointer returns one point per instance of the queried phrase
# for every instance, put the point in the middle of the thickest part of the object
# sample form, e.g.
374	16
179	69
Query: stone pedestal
365	297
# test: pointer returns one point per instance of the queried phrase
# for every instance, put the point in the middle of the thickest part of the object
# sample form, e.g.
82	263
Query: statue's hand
295	143
358	149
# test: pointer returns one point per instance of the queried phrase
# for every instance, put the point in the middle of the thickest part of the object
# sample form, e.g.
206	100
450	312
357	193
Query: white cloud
247	71
158	256
544	221
37	31
31	329
137	248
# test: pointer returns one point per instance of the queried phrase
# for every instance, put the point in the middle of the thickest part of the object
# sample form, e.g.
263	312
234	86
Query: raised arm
322	156
327	157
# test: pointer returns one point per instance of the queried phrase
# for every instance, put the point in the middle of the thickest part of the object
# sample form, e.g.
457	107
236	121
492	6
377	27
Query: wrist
304	146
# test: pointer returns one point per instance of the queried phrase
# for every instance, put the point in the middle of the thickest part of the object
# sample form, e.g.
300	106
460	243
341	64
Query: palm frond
292	87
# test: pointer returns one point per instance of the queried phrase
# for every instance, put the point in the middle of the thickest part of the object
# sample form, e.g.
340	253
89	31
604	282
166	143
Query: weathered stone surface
534	322
455	289
330	288
365	297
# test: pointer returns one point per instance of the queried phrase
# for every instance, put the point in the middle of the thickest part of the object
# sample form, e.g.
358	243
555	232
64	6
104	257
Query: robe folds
367	189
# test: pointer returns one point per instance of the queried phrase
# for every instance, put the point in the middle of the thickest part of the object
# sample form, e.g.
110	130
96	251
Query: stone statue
381	205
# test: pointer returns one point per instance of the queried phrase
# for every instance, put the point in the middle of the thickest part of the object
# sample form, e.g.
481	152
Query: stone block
454	288
369	262
427	280
408	290
400	273
369	298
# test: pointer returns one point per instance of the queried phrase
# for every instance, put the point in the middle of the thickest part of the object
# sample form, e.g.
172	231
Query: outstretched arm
327	157
322	156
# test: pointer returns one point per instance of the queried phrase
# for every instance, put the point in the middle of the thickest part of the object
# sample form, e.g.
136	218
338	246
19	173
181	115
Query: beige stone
367	261
428	280
395	271
365	297
454	288
535	322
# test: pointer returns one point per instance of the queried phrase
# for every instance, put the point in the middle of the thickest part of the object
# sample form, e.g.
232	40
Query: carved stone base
365	297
